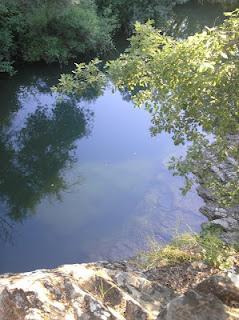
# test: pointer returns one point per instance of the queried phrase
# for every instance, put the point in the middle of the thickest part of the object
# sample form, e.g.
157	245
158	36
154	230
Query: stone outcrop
225	217
108	291
88	291
216	298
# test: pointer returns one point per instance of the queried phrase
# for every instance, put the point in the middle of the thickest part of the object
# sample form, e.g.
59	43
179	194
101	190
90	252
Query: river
83	181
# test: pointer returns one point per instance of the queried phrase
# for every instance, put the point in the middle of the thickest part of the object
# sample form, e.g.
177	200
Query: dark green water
81	181
193	16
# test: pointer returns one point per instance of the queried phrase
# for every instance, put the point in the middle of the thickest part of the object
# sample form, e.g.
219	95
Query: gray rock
112	291
224	288
228	224
224	171
212	299
194	306
104	291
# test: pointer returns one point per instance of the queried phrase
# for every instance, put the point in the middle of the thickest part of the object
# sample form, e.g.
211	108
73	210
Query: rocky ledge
110	291
226	218
224	172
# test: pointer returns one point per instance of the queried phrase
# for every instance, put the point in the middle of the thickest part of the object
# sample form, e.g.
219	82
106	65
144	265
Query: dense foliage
191	88
85	81
51	30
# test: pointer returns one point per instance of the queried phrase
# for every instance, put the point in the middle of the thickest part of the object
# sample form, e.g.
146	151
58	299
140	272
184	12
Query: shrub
51	31
214	251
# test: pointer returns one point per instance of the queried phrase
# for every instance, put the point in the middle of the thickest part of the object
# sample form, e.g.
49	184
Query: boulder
194	306
225	171
216	298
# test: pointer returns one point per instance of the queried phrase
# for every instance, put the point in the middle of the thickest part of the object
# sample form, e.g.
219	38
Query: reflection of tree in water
192	17
30	79
31	168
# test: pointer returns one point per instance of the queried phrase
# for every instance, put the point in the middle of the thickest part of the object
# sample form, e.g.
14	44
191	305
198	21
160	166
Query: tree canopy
52	31
191	88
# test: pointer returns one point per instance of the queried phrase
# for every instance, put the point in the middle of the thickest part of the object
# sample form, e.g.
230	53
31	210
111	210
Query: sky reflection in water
83	181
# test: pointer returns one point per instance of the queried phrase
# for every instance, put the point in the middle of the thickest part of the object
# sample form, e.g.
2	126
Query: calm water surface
81	181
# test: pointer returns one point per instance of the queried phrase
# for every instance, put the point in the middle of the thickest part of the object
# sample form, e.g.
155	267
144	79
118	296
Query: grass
103	290
206	247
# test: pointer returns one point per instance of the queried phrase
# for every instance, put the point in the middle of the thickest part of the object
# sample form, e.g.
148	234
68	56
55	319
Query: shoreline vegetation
66	30
187	248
